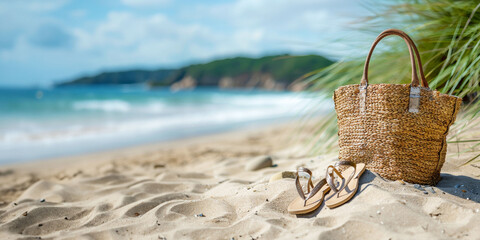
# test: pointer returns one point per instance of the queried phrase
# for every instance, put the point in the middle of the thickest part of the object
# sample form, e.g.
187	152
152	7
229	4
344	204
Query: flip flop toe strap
304	172
315	190
307	173
330	177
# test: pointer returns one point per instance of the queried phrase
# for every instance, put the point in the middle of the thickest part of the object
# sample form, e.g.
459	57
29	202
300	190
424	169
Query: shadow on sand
367	178
460	186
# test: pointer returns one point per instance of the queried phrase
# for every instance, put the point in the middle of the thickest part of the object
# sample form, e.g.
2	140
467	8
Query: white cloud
128	38
282	14
134	37
21	18
300	26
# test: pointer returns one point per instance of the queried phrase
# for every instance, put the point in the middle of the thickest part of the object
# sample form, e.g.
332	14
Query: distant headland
278	72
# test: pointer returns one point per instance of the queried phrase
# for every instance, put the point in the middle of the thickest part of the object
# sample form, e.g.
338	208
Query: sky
48	41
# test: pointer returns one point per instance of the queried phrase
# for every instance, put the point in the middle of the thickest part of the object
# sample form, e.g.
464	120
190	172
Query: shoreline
56	124
23	174
209	138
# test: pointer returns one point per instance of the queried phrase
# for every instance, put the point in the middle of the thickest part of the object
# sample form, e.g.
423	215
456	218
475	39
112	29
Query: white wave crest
102	105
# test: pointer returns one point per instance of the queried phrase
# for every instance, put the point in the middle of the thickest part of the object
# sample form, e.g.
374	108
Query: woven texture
390	140
398	130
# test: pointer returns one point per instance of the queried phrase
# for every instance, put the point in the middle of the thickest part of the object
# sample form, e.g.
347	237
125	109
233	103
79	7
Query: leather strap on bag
413	53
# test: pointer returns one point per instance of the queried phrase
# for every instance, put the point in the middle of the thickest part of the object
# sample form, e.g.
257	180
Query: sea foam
114	105
99	119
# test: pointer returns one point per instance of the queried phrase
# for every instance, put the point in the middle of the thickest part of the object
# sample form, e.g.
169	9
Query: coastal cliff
272	72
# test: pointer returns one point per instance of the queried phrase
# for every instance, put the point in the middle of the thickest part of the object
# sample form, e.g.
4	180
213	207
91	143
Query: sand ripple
218	199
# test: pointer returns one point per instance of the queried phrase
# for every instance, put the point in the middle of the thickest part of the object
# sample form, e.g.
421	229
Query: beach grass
448	37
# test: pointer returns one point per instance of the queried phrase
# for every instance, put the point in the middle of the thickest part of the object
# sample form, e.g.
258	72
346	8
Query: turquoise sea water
45	123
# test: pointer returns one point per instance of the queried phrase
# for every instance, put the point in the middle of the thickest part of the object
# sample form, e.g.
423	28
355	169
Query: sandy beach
204	188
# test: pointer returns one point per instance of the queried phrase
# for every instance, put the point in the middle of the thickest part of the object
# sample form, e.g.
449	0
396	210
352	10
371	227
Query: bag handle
412	50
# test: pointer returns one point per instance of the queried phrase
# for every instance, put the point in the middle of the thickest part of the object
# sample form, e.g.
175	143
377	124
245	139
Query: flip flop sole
297	205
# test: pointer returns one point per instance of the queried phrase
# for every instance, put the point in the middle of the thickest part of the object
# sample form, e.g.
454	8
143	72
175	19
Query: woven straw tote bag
398	130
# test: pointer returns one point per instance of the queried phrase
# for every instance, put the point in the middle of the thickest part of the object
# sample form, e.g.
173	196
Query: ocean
55	122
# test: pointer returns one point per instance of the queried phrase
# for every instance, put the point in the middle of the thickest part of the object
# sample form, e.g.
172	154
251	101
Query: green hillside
284	68
122	77
241	71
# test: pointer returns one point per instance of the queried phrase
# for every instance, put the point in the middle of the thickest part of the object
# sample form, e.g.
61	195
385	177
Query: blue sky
47	41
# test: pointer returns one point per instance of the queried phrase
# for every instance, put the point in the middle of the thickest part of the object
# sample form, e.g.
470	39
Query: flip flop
313	199
346	188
